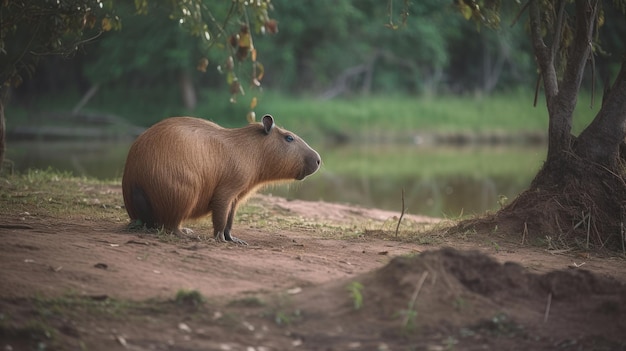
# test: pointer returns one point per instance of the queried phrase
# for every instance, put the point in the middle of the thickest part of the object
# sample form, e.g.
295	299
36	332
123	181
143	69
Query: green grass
511	112
59	194
400	162
51	193
359	116
400	113
191	298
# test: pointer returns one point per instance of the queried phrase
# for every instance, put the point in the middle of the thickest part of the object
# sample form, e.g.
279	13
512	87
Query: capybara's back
184	168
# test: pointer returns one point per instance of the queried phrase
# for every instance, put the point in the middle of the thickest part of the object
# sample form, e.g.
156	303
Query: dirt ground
88	283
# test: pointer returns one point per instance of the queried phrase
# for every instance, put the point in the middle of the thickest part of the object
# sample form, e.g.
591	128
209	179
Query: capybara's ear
268	123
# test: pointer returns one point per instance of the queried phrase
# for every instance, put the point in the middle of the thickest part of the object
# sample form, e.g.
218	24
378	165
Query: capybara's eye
289	138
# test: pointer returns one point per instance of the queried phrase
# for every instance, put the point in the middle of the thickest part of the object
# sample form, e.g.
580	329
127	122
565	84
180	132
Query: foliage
355	289
231	27
435	51
167	49
557	27
30	30
153	45
431	48
353	43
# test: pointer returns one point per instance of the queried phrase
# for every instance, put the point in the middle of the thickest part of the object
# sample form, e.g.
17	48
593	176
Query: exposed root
580	207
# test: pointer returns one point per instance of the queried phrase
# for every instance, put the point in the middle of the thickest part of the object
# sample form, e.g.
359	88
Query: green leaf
466	11
230	77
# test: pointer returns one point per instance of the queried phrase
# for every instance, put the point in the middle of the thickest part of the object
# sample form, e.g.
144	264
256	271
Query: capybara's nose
318	161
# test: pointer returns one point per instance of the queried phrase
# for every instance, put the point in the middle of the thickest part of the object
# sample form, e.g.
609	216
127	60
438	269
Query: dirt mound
447	297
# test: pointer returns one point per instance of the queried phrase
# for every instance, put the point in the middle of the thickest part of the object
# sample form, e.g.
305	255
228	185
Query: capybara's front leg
229	225
223	221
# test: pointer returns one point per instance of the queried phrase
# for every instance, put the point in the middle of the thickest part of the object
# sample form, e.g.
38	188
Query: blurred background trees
322	48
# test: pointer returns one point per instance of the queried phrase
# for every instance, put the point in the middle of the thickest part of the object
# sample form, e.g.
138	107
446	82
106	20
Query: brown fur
185	168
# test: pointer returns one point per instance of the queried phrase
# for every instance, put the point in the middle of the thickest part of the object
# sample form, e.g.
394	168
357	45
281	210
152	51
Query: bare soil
330	277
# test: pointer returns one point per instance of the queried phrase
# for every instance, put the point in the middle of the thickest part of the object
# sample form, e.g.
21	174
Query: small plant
285	318
460	303
189	298
251	301
282	311
450	342
410	314
356	295
137	224
496	246
502	200
501	325
161	232
282	318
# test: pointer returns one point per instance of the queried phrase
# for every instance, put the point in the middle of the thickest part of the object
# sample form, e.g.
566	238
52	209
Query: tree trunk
579	191
187	90
601	140
577	199
4	93
561	97
492	70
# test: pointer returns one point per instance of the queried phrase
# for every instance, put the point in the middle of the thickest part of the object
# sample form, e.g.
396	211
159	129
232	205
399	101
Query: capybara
185	168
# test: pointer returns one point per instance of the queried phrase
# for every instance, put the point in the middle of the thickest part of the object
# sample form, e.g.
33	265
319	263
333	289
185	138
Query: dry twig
418	287
401	214
547	313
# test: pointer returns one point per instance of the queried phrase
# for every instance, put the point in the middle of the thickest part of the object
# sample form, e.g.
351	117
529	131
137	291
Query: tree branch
542	53
558	30
586	12
520	12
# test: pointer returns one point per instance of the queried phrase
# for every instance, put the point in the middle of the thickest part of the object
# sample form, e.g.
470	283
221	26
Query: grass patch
41	322
64	322
374	115
249	302
59	194
256	214
397	162
65	306
191	298
313	119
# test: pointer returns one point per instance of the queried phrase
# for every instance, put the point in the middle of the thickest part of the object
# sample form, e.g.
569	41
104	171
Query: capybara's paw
219	237
238	241
183	232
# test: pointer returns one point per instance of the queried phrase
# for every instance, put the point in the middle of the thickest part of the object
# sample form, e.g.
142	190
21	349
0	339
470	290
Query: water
436	181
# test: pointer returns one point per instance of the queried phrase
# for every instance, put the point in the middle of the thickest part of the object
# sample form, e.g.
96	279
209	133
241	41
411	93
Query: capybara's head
285	155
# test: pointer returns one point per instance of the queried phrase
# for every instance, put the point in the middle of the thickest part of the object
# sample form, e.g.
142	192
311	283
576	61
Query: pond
436	181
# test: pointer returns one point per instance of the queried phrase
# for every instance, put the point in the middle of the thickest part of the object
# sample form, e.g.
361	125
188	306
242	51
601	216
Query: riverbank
315	276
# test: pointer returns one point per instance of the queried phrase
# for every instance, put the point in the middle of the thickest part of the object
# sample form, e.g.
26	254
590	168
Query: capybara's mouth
311	165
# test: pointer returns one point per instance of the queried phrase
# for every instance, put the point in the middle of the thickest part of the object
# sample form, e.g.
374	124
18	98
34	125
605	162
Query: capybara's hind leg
142	207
